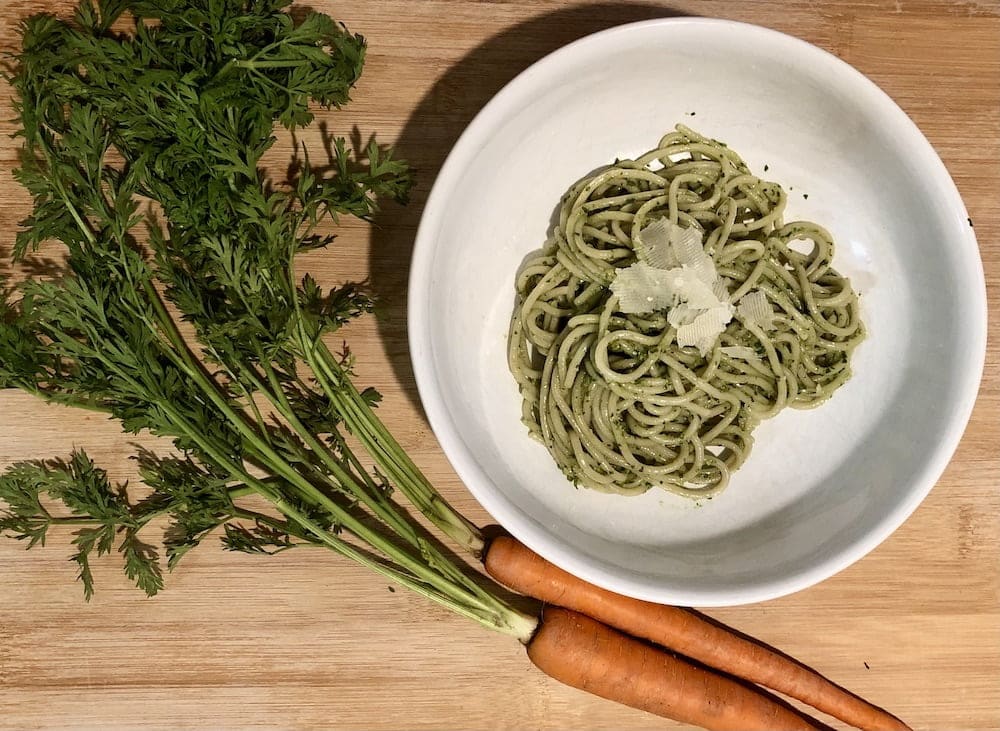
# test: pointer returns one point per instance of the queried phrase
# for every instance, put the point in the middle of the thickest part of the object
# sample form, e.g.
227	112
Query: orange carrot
682	631
582	652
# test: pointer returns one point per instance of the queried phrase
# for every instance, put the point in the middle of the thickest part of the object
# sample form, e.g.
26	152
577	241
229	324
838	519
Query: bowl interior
821	487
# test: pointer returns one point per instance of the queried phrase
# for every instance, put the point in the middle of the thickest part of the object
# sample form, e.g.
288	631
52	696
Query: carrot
586	654
524	571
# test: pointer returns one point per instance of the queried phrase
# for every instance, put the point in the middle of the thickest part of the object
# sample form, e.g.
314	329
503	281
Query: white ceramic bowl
822	487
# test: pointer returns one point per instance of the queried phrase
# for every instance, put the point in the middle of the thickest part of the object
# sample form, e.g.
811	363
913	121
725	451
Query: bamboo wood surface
305	640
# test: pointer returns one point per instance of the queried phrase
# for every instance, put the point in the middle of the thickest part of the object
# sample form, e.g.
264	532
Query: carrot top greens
177	112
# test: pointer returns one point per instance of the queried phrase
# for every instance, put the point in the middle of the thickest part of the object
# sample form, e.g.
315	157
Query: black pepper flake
867	667
970	222
391	590
765	168
806	196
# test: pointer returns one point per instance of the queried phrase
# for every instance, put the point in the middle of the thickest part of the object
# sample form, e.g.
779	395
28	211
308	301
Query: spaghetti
625	399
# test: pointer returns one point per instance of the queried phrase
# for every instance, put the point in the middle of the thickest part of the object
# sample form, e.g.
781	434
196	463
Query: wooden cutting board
304	640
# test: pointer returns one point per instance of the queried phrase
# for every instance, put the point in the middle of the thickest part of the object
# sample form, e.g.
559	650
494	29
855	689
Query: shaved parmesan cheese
693	289
739	351
720	290
755	309
686	243
687	247
652	245
681	315
642	288
705	329
666	245
802	246
674	273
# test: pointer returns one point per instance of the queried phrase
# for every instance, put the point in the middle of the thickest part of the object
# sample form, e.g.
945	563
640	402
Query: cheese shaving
692	289
666	245
642	288
705	329
802	246
720	290
687	247
756	310
652	245
681	315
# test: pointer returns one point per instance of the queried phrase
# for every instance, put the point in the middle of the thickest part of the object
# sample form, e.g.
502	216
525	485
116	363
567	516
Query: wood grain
308	641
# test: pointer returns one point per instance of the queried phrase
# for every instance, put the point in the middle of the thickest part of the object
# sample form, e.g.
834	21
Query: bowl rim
507	514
